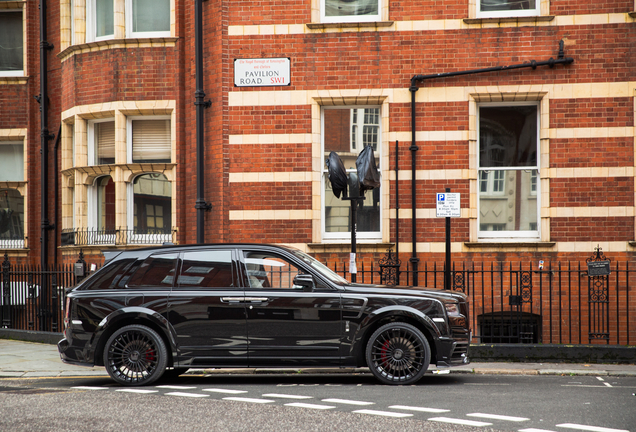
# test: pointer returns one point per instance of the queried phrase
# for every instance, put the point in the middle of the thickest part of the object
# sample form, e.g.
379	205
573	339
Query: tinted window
156	271
206	269
266	270
111	276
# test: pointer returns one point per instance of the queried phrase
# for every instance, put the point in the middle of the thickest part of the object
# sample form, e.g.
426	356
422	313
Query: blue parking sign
441	196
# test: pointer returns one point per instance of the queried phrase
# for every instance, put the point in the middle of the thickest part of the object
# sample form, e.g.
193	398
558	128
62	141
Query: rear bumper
69	355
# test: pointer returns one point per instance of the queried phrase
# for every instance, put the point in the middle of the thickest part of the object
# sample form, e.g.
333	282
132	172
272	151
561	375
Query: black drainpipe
413	88
57	193
43	98
201	205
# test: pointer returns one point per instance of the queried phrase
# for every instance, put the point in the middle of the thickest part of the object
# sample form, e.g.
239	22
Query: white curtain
351	7
11	41
11	162
104	18
151	15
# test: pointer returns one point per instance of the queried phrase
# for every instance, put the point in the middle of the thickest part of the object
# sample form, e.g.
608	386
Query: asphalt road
322	403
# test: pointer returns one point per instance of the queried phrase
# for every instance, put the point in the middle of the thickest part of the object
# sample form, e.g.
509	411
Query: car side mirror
304	280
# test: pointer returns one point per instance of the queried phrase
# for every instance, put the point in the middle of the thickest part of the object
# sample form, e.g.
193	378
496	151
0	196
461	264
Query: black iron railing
521	303
117	236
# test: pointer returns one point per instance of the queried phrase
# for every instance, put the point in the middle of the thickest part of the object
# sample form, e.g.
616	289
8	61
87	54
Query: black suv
156	312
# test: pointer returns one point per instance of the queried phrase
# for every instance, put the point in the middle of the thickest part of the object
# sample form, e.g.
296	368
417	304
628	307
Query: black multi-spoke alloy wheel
398	353
135	355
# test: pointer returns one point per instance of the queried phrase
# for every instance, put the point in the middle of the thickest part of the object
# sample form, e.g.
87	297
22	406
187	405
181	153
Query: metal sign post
353	269
448	207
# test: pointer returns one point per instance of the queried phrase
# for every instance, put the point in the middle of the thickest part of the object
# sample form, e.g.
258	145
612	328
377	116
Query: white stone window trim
91	148
368	236
509	236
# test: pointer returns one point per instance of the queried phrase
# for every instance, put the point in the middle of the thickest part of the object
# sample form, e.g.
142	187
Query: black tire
135	355
398	353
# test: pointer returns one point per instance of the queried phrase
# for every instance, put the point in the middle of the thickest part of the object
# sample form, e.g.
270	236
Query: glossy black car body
157	311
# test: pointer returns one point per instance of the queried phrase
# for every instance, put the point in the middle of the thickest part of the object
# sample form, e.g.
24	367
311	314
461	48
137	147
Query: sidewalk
29	359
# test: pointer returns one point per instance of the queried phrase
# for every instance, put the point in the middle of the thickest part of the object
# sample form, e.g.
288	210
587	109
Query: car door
288	325
207	310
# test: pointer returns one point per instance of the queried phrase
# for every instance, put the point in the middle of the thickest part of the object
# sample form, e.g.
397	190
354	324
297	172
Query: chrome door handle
232	299
256	299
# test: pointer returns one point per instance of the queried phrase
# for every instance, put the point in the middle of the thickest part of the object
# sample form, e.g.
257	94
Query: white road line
286	396
225	391
419	409
459	421
142	391
600	379
182	394
347	402
535	430
173	387
383	413
310	406
498	417
89	388
589	428
250	400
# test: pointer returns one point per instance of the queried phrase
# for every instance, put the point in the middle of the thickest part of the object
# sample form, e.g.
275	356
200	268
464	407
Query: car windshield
320	268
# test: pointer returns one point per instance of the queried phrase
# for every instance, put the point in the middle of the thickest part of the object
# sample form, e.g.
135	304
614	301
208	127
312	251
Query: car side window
157	270
206	269
113	275
271	271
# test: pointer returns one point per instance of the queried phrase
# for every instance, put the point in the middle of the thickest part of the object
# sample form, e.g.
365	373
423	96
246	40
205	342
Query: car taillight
67	314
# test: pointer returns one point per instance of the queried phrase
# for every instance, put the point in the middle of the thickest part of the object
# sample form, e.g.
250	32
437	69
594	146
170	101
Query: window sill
512	244
349	25
509	20
117	43
12	80
12	4
346	247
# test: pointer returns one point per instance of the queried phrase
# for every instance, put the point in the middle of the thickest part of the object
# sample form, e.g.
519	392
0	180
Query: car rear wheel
398	353
135	355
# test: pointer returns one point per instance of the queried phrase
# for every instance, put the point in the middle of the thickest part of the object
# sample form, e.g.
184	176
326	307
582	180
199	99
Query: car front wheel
398	353
135	355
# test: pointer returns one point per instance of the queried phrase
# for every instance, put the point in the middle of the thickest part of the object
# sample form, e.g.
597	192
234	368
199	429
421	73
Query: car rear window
113	275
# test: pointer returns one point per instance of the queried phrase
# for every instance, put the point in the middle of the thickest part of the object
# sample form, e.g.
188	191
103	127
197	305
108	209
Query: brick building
543	156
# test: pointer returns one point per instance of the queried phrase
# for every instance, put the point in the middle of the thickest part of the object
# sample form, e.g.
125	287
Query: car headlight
452	309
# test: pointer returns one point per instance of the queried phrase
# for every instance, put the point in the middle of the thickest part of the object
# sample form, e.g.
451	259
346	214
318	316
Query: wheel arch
137	316
393	315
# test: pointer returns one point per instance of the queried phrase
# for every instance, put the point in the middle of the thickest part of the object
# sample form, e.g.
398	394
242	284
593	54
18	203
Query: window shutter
151	141
105	134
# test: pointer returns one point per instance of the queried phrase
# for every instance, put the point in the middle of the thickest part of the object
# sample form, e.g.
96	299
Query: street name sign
262	72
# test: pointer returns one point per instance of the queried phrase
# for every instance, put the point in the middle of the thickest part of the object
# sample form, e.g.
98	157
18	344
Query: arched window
11	218
152	204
